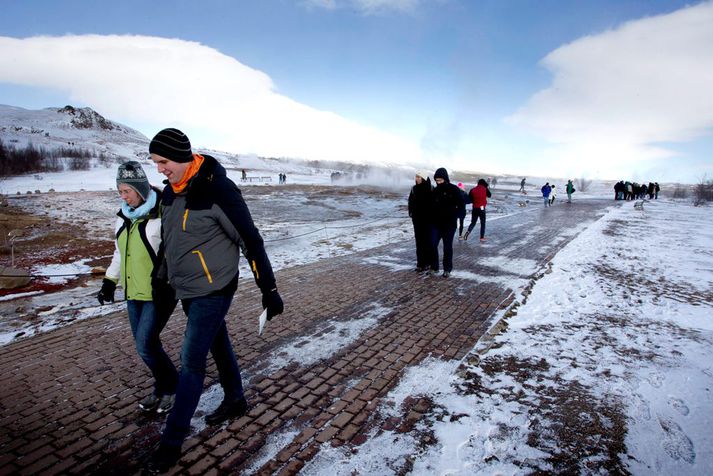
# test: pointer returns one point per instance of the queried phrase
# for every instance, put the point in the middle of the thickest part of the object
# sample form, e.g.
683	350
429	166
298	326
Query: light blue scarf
142	210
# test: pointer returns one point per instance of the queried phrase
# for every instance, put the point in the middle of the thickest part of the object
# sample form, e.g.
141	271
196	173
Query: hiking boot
165	404
164	458
227	410
446	274
149	403
482	239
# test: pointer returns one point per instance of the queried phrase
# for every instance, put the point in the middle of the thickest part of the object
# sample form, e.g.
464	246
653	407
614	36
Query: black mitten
272	301
107	291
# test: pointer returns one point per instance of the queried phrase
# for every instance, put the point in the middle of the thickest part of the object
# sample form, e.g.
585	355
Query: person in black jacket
447	205
419	209
205	226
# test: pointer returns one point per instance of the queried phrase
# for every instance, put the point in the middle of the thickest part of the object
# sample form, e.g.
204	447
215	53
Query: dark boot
227	410
164	458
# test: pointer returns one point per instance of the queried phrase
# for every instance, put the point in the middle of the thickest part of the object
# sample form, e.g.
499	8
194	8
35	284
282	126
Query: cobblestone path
352	326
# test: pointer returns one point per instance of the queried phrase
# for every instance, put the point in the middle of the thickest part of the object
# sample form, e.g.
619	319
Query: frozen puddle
394	264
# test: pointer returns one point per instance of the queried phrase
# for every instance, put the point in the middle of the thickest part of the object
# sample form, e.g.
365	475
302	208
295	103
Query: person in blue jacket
546	190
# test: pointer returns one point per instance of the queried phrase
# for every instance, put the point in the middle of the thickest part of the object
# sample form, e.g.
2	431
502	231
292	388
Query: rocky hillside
69	126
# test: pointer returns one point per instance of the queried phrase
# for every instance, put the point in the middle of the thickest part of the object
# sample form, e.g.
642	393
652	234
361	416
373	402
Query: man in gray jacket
206	224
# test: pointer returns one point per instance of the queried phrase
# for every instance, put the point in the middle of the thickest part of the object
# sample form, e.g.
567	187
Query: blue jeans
445	233
205	331
146	327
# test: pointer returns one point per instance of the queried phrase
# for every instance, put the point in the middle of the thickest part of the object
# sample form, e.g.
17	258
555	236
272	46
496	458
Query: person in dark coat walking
206	226
419	209
479	196
447	203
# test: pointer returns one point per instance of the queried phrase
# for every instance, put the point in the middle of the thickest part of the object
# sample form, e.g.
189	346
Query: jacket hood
443	174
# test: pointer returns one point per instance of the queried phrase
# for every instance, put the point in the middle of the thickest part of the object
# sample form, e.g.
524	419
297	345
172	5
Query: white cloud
616	96
218	101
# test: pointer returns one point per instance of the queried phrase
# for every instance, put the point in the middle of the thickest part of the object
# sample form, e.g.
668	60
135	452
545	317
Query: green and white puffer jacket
136	253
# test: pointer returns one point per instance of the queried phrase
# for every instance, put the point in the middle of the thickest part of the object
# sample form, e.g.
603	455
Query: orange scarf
191	171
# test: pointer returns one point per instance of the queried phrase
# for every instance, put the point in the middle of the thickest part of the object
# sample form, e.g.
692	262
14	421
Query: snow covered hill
110	143
83	128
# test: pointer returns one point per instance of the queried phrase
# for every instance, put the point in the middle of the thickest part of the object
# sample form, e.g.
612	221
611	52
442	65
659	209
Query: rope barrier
34	276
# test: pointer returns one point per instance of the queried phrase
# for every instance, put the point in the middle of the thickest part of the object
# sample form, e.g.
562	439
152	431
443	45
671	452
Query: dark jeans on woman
146	326
477	213
445	233
422	233
205	331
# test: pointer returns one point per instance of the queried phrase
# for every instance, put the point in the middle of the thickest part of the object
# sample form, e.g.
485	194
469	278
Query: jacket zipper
205	267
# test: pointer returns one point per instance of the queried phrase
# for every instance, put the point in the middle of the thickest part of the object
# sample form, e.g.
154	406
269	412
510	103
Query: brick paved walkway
68	398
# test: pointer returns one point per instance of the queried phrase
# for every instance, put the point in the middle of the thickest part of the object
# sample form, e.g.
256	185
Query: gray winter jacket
204	230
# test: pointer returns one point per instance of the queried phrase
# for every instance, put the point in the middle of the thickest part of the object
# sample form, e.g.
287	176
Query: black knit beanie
172	144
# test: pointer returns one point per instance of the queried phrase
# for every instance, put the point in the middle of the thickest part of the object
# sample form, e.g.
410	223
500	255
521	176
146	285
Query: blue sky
603	89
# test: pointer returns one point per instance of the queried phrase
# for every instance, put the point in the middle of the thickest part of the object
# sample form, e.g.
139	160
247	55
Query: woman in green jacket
138	236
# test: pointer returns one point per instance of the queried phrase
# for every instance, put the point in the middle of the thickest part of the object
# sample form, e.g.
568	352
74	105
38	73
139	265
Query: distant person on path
522	185
419	209
244	175
206	224
570	190
657	189
447	202
479	196
619	190
553	194
546	190
462	212
136	252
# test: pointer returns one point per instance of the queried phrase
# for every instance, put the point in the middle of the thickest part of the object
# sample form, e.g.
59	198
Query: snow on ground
614	344
325	342
299	223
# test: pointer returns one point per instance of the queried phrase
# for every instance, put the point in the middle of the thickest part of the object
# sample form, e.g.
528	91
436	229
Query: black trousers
424	248
477	213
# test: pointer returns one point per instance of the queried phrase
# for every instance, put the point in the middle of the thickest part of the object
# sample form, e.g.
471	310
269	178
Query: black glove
272	301
107	291
164	297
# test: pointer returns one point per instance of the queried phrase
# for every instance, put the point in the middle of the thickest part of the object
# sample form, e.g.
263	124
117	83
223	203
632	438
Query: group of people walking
438	212
634	191
184	243
549	193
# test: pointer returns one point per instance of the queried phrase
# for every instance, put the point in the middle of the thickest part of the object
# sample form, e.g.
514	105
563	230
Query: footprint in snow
655	379
642	408
679	405
675	442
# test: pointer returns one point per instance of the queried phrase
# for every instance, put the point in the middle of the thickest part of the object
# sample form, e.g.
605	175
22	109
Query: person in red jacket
479	196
